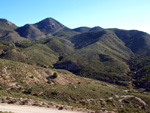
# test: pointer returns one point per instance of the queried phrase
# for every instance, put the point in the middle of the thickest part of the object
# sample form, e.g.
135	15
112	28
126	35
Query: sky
123	14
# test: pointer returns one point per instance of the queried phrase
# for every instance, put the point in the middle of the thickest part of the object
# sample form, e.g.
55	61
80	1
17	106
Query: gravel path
30	109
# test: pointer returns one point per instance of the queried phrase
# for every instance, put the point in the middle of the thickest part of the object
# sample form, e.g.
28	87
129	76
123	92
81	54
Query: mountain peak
6	21
49	26
96	28
7	25
49	21
49	18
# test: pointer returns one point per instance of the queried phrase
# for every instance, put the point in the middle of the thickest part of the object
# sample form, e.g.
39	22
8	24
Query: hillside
31	54
7	25
38	54
99	54
140	72
30	32
22	80
137	41
7	32
44	29
43	53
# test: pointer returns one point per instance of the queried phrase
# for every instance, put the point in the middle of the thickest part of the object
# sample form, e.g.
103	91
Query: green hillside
100	55
43	53
137	41
27	81
48	61
140	70
37	54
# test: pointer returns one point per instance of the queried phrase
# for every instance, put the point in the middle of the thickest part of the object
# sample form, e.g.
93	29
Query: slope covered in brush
137	41
27	81
140	70
37	54
30	32
99	54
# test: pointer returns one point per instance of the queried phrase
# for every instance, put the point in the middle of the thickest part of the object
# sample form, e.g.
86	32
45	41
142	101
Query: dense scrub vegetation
140	70
30	57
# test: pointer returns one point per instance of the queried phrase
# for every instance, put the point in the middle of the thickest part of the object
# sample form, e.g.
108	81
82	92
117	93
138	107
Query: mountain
35	61
99	54
44	29
7	31
137	41
86	29
82	29
7	25
49	26
12	36
30	32
95	28
104	54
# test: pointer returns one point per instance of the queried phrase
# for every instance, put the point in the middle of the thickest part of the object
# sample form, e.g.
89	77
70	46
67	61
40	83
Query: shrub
55	75
32	76
49	82
126	101
54	93
109	100
29	91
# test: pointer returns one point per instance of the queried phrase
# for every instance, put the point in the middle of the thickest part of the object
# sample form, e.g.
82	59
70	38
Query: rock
4	100
37	103
61	108
98	111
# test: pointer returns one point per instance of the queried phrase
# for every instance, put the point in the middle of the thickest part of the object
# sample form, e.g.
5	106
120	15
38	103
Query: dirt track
30	109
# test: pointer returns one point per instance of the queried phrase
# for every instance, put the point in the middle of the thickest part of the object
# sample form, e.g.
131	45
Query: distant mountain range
98	53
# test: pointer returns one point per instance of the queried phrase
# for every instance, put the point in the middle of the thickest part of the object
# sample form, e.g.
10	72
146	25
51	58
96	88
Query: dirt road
31	109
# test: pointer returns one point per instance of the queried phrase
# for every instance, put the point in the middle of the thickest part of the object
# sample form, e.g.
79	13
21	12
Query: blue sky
124	14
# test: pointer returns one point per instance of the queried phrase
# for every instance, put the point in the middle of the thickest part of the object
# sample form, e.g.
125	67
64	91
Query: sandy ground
31	109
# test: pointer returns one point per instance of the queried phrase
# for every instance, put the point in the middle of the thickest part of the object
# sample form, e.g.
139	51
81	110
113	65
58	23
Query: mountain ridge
108	49
94	68
7	24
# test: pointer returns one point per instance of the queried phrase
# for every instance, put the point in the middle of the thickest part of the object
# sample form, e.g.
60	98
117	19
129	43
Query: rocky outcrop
30	102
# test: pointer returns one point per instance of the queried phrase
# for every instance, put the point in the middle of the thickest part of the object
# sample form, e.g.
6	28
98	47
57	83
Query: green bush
109	100
32	76
49	82
54	93
55	75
